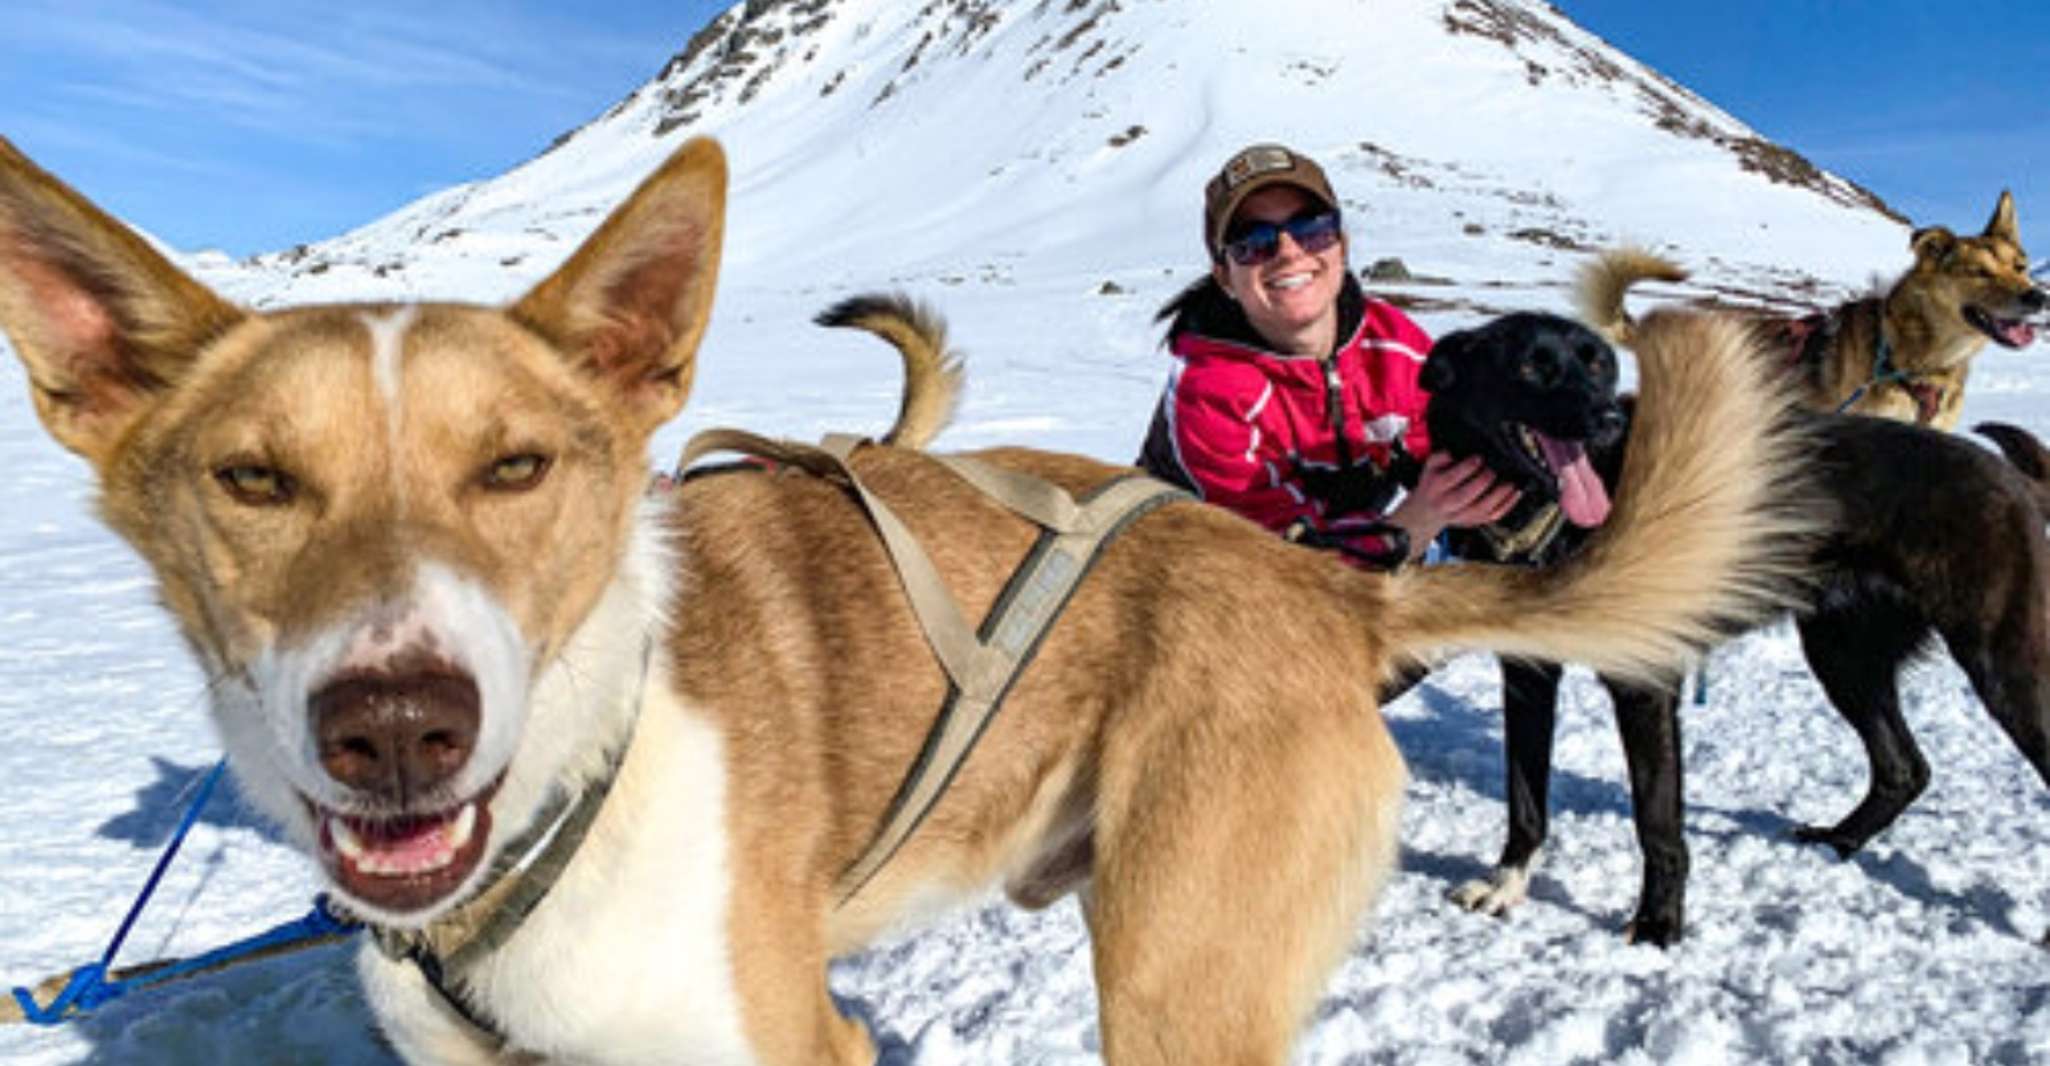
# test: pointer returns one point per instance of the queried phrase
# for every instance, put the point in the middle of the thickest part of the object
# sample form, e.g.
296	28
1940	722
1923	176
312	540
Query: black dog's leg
1857	656
1649	720
1530	707
2014	685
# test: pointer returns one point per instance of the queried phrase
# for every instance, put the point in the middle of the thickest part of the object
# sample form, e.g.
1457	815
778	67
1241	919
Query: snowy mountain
986	135
1034	169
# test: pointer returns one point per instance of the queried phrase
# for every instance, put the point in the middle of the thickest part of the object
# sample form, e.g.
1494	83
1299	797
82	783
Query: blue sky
1934	106
251	126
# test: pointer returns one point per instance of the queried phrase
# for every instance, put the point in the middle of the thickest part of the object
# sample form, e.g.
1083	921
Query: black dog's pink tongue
2019	334
1581	493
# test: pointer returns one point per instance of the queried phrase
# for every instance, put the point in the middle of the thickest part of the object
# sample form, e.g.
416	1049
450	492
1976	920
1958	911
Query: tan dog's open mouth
2006	332
406	862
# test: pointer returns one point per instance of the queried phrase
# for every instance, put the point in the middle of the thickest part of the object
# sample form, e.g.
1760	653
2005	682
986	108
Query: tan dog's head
1981	283
387	531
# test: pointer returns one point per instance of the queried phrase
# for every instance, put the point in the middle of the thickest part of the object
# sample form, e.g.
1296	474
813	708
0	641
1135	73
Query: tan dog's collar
520	879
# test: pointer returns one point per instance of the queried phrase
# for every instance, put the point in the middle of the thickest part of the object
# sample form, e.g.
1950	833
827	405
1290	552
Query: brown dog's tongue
1581	493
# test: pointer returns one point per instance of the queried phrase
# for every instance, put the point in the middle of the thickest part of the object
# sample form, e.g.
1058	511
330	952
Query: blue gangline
89	987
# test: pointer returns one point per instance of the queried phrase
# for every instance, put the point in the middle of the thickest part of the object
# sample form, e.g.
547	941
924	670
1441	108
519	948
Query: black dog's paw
1841	843
1659	932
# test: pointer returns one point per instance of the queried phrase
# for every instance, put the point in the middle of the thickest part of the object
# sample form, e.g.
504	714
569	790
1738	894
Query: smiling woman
1296	401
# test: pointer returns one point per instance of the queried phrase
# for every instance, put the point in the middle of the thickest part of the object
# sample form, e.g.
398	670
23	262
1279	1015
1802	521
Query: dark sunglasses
1312	231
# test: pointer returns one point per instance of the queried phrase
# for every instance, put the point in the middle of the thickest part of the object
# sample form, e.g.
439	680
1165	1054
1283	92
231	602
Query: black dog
1932	535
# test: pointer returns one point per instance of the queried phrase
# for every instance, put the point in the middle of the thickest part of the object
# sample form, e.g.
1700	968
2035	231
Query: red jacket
1255	431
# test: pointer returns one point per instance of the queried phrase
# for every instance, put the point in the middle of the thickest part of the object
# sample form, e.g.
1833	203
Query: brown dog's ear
101	320
631	304
2002	224
1932	243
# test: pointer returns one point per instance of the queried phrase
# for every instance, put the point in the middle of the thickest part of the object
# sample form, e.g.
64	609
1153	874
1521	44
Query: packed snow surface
1034	171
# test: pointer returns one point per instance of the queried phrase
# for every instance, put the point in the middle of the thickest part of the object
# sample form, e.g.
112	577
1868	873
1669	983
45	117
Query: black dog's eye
256	485
1598	360
1541	366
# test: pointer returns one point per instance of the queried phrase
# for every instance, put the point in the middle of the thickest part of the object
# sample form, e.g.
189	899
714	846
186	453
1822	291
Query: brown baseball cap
1252	169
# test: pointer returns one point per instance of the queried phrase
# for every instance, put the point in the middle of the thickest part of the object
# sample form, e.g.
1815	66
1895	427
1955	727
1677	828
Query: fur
1960	293
413	550
1930	537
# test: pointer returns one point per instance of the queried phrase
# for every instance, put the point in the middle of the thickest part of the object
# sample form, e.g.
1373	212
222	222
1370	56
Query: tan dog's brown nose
396	737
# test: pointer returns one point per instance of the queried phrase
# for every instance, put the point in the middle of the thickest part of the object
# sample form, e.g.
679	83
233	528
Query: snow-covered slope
1033	168
1478	139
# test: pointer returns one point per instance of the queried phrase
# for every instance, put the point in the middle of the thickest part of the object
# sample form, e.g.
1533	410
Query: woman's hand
1448	493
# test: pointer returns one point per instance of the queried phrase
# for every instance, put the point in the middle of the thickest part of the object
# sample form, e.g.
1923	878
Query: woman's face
1292	298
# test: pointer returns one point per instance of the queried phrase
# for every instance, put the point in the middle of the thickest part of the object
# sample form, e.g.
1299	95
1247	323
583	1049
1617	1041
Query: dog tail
2026	453
1710	530
932	372
1605	280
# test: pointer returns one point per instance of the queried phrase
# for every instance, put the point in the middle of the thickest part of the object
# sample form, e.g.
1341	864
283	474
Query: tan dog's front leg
779	969
1235	861
417	1024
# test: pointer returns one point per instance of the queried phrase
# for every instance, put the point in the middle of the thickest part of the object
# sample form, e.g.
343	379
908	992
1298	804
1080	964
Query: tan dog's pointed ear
102	321
631	304
2002	224
1932	243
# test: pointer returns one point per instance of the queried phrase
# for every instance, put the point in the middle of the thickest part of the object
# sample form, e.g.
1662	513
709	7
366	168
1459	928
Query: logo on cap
1255	161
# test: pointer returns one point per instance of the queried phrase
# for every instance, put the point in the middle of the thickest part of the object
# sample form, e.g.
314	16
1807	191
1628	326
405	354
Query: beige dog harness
981	664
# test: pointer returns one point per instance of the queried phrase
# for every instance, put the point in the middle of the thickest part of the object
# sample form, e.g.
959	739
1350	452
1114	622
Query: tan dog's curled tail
932	372
1607	279
1711	527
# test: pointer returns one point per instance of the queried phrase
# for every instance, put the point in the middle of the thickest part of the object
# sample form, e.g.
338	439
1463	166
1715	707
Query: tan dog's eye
516	473
256	485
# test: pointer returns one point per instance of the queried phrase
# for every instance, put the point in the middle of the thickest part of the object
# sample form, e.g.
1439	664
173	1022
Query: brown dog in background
1904	355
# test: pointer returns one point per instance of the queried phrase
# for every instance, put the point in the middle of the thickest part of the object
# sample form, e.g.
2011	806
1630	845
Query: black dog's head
1531	394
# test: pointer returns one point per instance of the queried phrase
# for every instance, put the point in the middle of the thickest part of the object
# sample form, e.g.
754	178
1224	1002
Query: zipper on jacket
1334	401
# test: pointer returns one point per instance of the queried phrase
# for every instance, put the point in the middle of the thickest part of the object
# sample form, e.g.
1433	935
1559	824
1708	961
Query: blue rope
1883	371
149	888
89	987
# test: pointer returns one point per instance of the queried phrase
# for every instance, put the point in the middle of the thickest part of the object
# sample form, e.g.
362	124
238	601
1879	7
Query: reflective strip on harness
983	665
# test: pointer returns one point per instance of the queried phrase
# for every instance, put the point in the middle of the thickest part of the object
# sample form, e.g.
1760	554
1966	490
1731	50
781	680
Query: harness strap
982	665
1010	636
941	620
1811	336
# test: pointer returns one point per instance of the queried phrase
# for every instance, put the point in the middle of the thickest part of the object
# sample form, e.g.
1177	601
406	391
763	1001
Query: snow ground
1922	950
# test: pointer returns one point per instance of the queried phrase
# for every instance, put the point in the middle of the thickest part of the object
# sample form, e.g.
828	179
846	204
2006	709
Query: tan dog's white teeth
347	843
465	824
407	848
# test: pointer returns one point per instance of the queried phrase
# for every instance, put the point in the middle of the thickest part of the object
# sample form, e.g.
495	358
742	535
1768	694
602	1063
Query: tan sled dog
1904	355
410	547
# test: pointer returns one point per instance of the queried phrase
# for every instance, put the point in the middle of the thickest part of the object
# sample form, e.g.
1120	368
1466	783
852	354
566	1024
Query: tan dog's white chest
628	960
